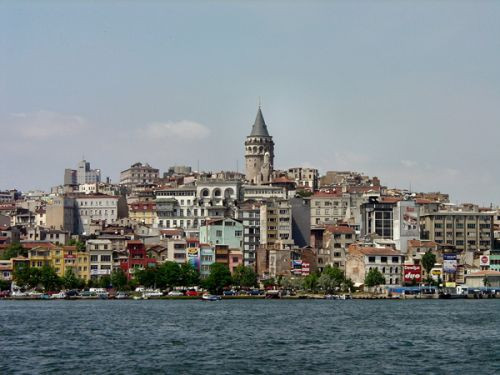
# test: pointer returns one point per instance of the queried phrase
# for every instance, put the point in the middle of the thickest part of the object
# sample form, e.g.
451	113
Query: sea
250	337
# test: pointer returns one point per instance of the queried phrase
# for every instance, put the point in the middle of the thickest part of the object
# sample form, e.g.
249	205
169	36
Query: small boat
137	298
60	295
210	297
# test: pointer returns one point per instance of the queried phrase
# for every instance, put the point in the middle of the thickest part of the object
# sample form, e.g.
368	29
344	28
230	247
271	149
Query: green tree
29	277
5	285
347	285
104	281
311	282
169	275
219	278
245	276
188	275
14	250
331	278
49	278
428	262
269	282
80	246
374	277
71	281
119	279
148	277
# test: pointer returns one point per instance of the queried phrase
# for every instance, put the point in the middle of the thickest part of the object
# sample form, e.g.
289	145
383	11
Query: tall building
82	175
139	174
259	152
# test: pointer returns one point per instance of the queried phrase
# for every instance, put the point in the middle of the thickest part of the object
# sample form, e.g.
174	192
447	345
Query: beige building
275	222
361	259
468	231
329	208
139	174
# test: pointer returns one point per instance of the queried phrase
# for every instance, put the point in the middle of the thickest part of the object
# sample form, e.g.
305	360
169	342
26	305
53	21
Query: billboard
449	263
412	274
484	260
305	269
193	254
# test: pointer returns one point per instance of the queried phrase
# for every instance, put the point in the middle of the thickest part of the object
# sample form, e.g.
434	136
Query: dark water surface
250	337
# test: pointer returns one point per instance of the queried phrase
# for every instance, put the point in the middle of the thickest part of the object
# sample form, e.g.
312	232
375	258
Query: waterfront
241	337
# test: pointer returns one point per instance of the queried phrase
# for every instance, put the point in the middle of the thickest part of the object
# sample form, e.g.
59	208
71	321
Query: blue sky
407	91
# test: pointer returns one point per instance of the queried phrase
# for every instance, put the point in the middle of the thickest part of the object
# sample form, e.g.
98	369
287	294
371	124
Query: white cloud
186	130
409	163
45	124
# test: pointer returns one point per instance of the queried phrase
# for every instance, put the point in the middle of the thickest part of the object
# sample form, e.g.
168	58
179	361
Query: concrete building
82	175
259	153
360	259
305	177
97	208
275	222
60	214
263	192
143	212
101	258
139	174
477	279
249	214
337	239
329	208
468	231
301	221
228	232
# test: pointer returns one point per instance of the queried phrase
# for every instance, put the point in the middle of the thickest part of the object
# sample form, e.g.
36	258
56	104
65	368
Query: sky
407	91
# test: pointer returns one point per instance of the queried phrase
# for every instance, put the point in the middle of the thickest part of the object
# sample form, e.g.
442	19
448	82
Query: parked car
229	293
175	293
4	293
256	292
192	293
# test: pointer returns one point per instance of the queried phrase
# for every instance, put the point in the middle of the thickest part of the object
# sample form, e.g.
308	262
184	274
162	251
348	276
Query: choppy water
250	337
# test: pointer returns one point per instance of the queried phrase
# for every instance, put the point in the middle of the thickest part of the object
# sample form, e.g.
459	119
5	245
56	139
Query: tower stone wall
259	153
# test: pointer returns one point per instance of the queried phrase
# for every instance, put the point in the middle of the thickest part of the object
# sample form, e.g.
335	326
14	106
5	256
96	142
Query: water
250	337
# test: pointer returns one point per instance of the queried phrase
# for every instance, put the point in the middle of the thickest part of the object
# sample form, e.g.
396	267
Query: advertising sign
100	272
412	274
409	221
484	260
193	257
449	263
305	269
436	274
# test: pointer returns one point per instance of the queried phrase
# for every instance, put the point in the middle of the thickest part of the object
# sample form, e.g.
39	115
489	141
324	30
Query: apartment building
275	222
329	208
139	174
468	231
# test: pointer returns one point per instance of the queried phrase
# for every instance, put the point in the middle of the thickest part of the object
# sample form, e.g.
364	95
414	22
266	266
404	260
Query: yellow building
143	212
61	258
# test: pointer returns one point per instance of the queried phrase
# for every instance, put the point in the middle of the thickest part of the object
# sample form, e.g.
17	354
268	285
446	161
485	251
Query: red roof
367	250
419	243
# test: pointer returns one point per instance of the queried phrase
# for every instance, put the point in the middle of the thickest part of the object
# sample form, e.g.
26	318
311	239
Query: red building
137	259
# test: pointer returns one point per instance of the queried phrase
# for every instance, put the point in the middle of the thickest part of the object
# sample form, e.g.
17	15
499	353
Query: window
383	259
395	259
105	258
218	233
94	258
237	233
371	259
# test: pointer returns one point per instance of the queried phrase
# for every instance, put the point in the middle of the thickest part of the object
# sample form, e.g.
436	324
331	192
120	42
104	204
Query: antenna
260	102
237	166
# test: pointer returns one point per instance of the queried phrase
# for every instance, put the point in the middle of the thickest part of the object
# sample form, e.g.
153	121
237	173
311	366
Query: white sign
484	260
100	272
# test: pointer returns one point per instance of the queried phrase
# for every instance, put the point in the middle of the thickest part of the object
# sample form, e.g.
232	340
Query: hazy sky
407	91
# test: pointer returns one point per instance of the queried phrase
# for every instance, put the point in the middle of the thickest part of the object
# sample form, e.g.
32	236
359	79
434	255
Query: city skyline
406	92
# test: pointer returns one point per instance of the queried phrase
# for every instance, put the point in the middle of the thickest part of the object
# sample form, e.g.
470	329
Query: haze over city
404	91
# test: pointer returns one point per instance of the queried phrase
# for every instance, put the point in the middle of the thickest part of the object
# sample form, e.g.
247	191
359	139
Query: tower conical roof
259	128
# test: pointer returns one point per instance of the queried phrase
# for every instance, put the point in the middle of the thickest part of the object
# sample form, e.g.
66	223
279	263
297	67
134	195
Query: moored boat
210	297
